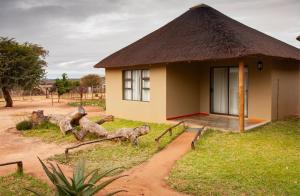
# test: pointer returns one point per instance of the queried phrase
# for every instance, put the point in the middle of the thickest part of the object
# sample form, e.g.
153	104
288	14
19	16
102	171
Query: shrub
80	183
24	125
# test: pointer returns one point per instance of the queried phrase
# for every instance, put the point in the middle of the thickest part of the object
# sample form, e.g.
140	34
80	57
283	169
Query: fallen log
87	126
130	134
37	117
66	122
105	119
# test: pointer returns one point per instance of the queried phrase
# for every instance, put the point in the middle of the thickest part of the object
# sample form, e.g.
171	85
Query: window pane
146	83
127	84
136	86
127	74
146	73
146	95
127	94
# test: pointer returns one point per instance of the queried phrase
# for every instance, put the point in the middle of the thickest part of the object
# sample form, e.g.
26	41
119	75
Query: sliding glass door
220	91
224	90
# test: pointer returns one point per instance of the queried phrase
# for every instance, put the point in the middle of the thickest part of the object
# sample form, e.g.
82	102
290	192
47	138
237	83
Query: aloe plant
80	184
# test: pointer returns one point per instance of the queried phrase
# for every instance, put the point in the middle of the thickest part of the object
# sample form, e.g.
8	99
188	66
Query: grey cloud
80	32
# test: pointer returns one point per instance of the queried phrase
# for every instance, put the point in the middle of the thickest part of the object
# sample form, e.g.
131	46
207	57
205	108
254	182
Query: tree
63	85
21	65
90	80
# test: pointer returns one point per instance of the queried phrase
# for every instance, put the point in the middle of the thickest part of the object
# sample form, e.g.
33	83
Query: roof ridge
201	5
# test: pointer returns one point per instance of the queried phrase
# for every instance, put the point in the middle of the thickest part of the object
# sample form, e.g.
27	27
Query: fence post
20	167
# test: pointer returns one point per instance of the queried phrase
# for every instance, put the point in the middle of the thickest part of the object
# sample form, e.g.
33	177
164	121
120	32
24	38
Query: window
136	85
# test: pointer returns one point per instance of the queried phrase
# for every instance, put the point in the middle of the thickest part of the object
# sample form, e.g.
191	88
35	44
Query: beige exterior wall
183	89
152	111
286	89
260	90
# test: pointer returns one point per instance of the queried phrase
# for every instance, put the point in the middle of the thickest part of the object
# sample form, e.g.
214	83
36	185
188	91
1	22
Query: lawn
94	102
264	161
109	154
15	184
51	133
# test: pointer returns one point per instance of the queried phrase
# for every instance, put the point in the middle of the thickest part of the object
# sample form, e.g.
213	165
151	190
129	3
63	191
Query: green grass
94	102
49	133
264	161
112	154
15	184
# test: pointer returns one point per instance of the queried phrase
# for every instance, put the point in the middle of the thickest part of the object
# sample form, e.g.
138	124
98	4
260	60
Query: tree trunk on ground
37	117
7	97
66	122
87	126
105	119
130	134
95	128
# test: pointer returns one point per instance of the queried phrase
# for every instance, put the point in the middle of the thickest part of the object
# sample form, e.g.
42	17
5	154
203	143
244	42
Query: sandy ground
145	179
149	177
14	147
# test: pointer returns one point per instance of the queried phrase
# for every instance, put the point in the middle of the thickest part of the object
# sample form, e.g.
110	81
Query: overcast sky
79	33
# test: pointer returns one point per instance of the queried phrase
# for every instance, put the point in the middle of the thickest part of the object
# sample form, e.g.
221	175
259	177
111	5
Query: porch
230	93
220	122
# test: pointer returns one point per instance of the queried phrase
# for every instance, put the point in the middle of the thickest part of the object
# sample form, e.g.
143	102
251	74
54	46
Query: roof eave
258	55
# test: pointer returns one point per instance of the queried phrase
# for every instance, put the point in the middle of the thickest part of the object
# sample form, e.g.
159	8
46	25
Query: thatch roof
201	33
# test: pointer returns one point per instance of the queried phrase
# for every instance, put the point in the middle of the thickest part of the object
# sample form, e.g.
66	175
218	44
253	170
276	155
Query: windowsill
135	101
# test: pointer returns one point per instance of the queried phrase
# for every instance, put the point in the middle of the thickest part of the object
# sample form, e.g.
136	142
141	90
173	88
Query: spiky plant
80	184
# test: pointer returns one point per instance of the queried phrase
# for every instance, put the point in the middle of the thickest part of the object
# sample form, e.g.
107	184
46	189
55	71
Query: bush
24	125
45	125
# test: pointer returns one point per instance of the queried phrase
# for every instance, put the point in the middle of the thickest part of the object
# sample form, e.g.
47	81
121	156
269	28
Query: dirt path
145	179
149	177
15	147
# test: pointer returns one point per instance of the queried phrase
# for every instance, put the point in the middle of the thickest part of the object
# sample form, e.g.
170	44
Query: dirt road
145	179
14	147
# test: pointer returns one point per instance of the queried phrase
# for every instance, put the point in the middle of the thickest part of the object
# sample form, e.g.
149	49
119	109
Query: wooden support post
241	97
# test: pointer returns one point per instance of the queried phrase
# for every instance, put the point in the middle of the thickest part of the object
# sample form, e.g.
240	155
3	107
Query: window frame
124	79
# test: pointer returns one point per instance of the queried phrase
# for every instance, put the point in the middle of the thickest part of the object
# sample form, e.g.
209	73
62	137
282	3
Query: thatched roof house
201	33
195	64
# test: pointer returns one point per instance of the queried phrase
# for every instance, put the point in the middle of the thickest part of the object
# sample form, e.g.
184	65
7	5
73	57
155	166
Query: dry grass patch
15	184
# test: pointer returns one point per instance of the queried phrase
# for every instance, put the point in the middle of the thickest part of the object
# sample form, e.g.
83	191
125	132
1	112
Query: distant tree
21	65
90	80
62	86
